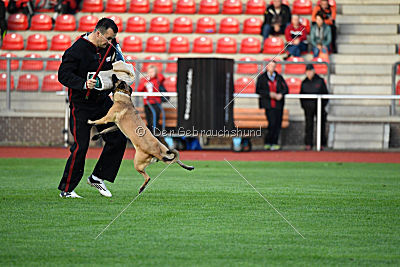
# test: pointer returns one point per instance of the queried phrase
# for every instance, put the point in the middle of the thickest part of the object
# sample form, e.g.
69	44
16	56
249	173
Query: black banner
205	87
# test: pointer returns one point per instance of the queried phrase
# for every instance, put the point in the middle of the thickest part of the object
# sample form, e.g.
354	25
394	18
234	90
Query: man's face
104	38
271	67
324	3
277	3
152	72
295	20
310	74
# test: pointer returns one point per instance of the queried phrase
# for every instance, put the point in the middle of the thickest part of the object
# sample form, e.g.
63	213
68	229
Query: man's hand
296	41
277	27
278	97
272	95
319	46
90	84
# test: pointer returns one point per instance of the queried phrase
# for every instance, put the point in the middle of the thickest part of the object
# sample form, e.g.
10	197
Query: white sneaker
69	195
99	185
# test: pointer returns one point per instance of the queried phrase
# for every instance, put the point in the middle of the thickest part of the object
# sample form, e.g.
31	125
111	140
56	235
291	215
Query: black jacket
315	86
262	88
270	16
83	57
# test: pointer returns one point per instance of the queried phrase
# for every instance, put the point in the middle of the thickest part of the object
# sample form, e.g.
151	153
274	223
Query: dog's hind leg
107	130
141	161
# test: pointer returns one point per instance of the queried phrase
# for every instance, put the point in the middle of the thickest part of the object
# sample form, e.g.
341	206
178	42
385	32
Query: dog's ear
130	89
114	79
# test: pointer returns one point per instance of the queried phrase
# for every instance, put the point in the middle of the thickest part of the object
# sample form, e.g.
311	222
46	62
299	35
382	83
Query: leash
99	68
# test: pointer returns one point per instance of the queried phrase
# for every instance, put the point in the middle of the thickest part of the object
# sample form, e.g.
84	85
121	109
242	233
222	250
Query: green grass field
348	213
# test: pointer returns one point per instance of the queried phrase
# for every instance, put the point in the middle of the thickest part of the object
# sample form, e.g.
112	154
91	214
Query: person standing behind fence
272	89
313	84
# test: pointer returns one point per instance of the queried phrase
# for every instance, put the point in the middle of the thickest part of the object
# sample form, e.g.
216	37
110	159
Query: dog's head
121	86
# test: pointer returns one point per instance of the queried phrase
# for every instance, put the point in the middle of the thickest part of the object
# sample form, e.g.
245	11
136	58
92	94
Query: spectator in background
276	17
320	36
313	84
297	34
272	89
150	84
329	15
21	6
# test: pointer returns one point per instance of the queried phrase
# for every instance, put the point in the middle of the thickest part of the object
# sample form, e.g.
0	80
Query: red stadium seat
41	22
3	82
118	21
51	83
320	69
87	23
295	68
17	22
206	25
397	89
28	82
278	67
245	85
247	68
158	65
170	84
209	7
139	6
398	70
136	24
332	3
250	45
14	63
60	42
226	45
294	85
129	57
229	25
252	26
183	25
185	7
232	7
306	23
302	7
116	6
65	23
159	24
37	42
179	44
13	41
172	67
256	7
132	43
285	2
53	64
273	45
202	45
156	44
162	6
92	6
32	64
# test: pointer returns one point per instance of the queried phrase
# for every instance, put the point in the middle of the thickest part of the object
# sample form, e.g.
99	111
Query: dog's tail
175	158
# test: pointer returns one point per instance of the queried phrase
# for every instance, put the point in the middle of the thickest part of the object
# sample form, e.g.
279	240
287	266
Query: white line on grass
152	181
266	200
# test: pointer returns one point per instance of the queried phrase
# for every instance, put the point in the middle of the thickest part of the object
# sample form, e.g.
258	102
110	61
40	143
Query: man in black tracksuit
79	63
272	89
313	84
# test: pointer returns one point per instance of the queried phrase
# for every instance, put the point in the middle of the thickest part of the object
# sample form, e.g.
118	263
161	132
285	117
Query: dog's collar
123	91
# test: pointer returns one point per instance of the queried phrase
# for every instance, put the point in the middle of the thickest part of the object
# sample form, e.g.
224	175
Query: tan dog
148	148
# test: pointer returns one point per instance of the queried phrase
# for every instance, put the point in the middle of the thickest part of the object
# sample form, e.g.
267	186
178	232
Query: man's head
271	66
295	20
277	3
319	19
310	71
324	4
106	30
152	71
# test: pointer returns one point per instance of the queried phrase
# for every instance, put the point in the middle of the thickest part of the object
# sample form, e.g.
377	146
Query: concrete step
368	39
370	9
367	2
364	59
359	137
360	102
361	80
367	29
364	128
354	144
362	90
359	111
363	69
373	49
369	19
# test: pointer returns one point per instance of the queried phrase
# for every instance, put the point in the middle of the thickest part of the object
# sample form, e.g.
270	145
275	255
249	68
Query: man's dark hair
104	24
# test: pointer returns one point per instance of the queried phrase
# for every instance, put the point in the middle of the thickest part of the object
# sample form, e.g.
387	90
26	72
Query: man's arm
261	89
328	36
66	72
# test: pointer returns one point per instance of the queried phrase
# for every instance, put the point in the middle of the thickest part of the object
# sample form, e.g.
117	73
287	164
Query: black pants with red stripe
110	159
274	117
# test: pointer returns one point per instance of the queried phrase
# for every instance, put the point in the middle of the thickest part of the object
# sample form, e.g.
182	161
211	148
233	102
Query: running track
282	156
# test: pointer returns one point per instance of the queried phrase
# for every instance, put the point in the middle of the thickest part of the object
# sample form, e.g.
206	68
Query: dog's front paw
91	122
